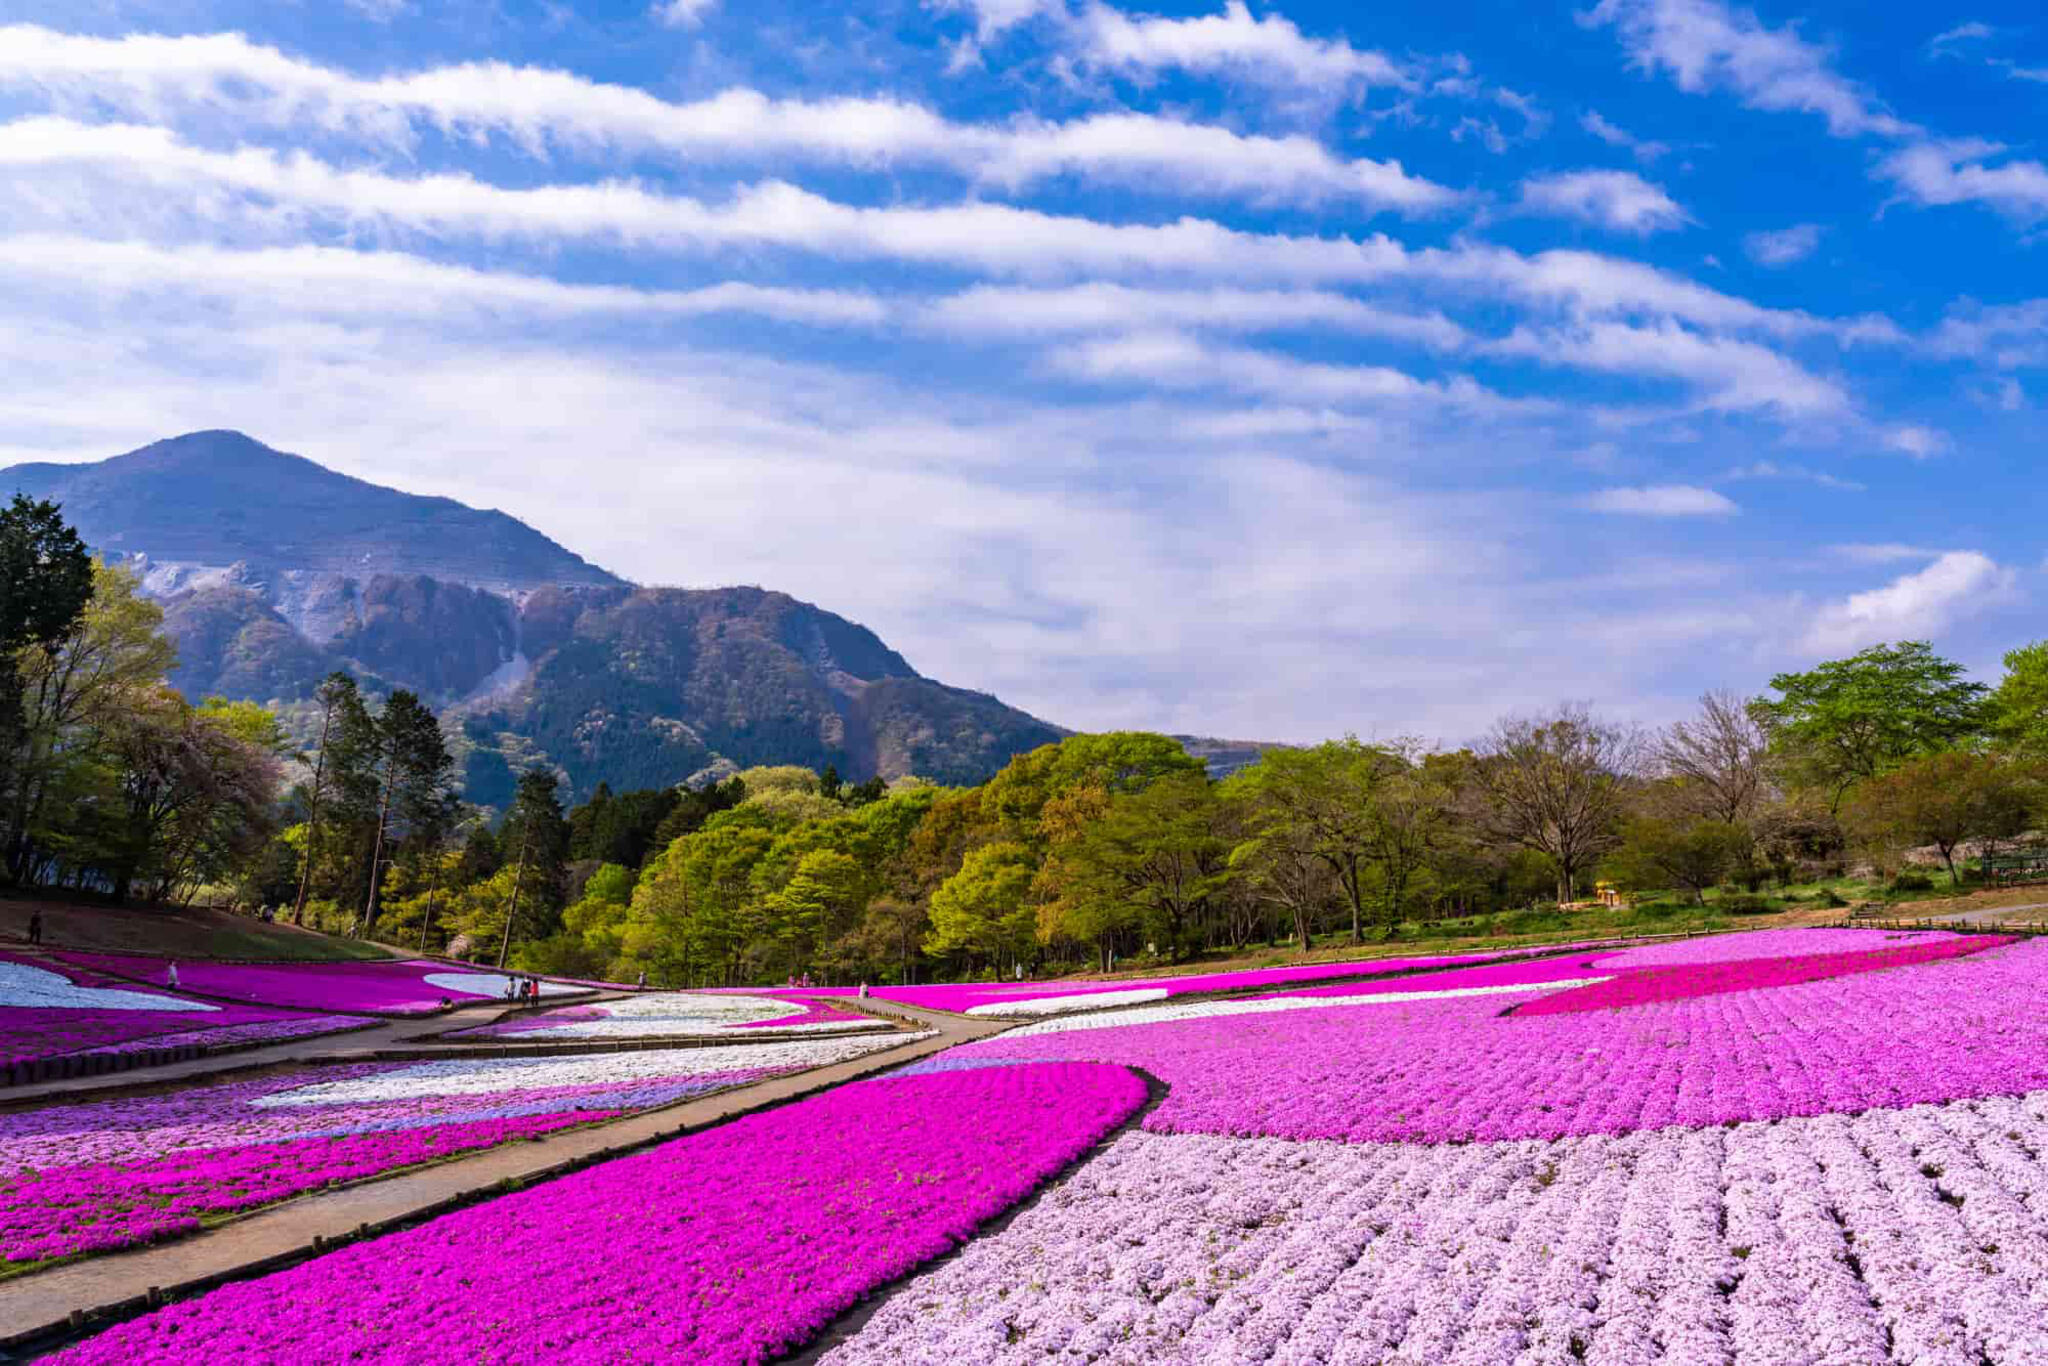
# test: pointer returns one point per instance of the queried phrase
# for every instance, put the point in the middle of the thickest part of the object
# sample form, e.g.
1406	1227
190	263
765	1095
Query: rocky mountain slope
274	570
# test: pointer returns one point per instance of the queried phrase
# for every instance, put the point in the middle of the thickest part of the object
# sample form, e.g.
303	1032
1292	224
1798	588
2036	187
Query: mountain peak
212	499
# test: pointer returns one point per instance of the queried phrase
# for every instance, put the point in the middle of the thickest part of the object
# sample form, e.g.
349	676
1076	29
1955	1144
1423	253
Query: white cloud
1613	135
540	109
1918	442
1620	200
338	282
2008	336
992	310
1179	362
379	11
1662	500
682	13
1729	374
1704	45
1948	40
1916	606
1883	552
993	18
1958	172
1772	469
1782	246
991	238
1269	50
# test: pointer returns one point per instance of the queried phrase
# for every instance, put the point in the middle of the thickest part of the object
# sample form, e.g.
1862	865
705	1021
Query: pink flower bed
1647	985
31	1033
412	987
815	1012
1541	972
1754	944
97	1175
992	997
1457	1069
728	1245
101	1207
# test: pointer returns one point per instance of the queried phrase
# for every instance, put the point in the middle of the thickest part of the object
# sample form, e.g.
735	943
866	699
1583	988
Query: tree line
346	816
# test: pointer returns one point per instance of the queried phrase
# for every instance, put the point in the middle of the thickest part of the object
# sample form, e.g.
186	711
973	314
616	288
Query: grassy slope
195	933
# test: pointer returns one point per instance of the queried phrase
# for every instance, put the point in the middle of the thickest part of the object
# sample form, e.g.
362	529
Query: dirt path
1989	915
42	1305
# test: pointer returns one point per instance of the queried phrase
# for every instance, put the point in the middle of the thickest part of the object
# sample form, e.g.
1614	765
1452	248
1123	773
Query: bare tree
1718	760
1556	783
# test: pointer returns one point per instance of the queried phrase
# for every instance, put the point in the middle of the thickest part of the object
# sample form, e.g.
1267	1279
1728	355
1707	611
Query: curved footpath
48	1303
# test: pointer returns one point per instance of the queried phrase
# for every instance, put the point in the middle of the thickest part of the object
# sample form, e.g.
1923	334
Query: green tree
2019	708
536	828
1156	857
1658	851
1555	784
1850	720
46	579
985	909
73	695
1943	800
1322	797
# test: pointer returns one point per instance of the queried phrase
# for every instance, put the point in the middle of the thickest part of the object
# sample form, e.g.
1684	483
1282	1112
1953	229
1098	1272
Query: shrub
1912	882
1744	904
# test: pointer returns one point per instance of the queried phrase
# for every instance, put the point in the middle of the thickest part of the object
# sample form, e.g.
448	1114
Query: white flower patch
490	984
1061	1005
1899	1236
487	1076
674	1013
41	989
1196	1010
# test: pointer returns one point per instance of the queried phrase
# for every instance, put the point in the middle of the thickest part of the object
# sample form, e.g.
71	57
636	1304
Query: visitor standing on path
171	976
35	926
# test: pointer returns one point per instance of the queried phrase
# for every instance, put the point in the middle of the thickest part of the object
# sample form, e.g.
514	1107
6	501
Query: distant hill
1225	757
200	504
273	571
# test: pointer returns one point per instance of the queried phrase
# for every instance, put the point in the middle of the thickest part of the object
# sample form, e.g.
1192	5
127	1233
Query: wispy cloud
1621	201
1662	500
1267	50
1644	149
539	109
1780	247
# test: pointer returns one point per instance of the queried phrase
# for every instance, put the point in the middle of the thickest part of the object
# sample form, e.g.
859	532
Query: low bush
1912	882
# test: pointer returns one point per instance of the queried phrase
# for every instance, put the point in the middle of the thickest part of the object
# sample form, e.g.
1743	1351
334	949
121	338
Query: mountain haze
273	571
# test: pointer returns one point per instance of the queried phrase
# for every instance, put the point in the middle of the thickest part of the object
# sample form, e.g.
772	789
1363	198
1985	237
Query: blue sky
1273	371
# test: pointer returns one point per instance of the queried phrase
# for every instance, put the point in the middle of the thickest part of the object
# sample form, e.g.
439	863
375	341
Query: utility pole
518	878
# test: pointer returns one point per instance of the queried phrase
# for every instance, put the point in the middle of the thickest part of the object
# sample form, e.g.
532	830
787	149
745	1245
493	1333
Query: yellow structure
1608	894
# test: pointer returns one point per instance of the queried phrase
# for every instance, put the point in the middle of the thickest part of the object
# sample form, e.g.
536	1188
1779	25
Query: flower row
673	1014
1451	1067
46	1012
727	1245
384	987
1893	1236
102	1174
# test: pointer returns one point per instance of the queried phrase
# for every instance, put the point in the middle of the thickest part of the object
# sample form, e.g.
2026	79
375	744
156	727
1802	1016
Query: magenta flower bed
815	1012
723	1246
1538	973
1457	1069
1752	944
1647	985
967	996
375	988
539	1019
99	1207
33	1033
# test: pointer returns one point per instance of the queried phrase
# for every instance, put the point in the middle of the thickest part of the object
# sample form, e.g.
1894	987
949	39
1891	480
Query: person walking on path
641	984
35	926
171	976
